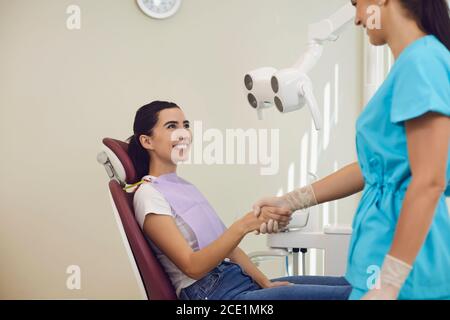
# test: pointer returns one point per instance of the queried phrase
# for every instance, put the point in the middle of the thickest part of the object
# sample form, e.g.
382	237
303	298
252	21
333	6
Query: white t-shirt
149	200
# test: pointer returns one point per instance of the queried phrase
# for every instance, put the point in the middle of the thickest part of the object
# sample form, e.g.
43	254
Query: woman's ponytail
139	156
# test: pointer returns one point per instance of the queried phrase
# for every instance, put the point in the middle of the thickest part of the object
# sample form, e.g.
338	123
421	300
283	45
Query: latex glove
387	292
298	199
392	277
272	226
278	202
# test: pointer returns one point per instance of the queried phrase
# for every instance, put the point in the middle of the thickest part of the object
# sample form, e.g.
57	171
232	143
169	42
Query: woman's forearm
206	259
416	217
343	183
241	258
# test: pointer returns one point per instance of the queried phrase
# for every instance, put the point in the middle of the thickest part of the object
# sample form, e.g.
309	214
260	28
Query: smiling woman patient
200	255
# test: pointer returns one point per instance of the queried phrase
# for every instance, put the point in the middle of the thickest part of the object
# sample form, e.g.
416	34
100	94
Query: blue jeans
229	282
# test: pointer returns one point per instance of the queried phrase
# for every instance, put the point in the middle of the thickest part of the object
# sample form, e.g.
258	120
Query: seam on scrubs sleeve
421	87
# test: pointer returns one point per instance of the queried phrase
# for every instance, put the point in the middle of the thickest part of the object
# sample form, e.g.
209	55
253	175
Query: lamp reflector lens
279	104
248	82
252	100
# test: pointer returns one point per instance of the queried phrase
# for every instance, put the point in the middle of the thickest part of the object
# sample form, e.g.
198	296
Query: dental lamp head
293	90
259	91
288	89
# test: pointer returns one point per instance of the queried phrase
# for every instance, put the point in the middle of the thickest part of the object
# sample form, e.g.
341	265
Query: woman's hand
269	284
251	222
279	218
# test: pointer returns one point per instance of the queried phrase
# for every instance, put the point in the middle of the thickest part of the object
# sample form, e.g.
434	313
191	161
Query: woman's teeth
181	146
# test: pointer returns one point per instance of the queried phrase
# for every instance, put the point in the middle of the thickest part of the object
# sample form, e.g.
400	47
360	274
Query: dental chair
151	277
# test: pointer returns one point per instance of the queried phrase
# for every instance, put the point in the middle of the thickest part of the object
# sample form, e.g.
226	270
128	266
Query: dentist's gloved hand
272	226
277	219
392	277
298	199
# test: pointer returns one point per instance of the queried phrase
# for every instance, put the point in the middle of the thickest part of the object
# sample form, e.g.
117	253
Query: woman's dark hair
144	122
432	16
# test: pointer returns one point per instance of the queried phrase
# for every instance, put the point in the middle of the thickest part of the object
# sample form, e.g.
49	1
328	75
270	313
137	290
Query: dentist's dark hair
145	120
432	16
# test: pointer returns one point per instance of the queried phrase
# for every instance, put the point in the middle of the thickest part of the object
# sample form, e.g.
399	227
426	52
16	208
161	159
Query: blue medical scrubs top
419	82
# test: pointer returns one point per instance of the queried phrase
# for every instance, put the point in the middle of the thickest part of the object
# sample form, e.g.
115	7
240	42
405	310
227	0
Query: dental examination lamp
290	89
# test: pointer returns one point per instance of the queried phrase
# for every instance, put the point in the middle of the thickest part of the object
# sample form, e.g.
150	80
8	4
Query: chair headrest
118	164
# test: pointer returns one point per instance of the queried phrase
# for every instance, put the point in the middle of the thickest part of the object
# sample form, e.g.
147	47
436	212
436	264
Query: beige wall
61	91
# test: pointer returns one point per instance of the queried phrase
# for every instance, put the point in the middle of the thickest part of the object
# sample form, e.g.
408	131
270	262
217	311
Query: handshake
273	214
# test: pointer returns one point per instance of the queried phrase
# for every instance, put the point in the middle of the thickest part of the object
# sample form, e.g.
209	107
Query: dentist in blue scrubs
400	246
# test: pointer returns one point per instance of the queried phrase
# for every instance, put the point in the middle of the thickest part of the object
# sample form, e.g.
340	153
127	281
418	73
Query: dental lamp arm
326	30
330	29
308	93
292	86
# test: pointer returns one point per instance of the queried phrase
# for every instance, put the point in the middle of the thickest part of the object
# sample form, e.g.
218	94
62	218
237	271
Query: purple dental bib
187	202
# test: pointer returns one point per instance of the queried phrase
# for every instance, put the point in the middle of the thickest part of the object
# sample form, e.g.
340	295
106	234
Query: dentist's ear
146	142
